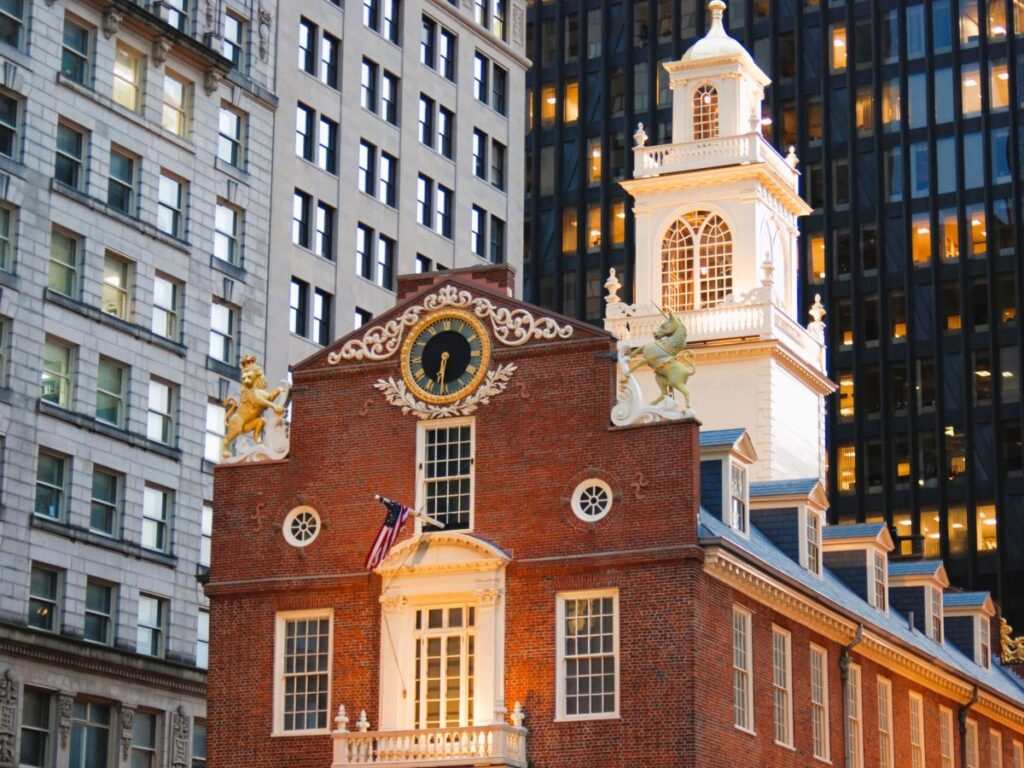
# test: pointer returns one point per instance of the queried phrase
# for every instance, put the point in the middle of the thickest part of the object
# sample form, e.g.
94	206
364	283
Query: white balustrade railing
498	744
707	153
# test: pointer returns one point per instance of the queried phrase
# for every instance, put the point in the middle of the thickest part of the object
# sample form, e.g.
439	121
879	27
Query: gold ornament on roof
244	415
1012	651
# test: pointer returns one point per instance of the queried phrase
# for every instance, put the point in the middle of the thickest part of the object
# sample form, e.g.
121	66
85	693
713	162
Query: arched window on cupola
696	262
705	112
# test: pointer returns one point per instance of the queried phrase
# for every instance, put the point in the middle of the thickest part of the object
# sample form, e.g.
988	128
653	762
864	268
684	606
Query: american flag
393	522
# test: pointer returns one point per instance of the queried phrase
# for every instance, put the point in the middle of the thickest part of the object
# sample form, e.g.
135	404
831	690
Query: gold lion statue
244	415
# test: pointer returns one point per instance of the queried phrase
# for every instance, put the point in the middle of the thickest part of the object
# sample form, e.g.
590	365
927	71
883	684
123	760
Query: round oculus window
301	526
592	500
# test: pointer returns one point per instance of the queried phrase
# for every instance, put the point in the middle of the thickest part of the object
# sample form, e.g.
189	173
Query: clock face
445	356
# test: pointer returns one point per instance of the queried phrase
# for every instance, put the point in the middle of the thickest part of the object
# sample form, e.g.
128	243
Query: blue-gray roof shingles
832	590
855	531
914	567
713	438
783	487
965	599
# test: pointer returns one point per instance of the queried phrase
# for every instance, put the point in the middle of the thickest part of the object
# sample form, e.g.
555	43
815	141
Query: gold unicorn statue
667	356
244	414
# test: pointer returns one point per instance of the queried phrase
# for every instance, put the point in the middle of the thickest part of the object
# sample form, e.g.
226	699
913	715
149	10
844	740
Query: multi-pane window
364	251
127	78
302	211
74	57
447	470
156	511
152	625
327	145
68	167
384	274
298	307
229	140
885	730
498	163
329	51
971	757
64	263
170	217
444	666
705	112
443	210
916	730
165	307
819	703
480	142
945	738
233	39
226	233
321	331
490	83
176	12
323	241
813	533
880	581
445	131
983	646
305	119
214	432
437	48
424	200
174	115
588	674
382	17
121	182
782	686
90	735
742	670
478	231
44	599
111	392
1018	755
99	612
51	484
8	217
198	743
58	359
366	178
8	126
115	291
389	97
203	639
307	46
995	748
303	667
387	179
854	719
143	744
206	535
378	91
375	256
105	505
935	614
426	130
481	77
497	240
738	497
160	414
696	262
36	718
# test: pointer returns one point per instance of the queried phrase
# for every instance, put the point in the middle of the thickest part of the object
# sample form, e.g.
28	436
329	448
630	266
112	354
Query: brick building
657	593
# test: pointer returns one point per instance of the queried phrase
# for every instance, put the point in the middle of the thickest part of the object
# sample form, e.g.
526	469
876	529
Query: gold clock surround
410	340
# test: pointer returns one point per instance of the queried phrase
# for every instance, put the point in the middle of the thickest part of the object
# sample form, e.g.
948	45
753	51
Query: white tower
716	243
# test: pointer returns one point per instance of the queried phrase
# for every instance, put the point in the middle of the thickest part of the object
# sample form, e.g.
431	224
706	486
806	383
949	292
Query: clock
445	356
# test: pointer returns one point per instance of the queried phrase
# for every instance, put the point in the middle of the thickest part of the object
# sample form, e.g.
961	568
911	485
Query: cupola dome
716	43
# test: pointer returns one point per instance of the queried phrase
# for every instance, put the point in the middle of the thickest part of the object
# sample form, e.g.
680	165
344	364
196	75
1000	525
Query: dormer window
738	497
696	262
813	531
705	112
935	615
881	581
982	648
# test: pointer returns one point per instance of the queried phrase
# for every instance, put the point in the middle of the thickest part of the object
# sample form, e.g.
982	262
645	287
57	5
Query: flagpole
415	513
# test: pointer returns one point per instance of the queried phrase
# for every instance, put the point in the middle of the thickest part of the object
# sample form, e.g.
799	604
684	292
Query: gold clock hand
441	370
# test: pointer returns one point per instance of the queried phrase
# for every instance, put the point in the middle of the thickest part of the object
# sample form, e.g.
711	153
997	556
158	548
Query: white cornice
720	351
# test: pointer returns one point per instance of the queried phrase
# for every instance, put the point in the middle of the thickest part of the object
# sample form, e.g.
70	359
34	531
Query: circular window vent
301	526
592	500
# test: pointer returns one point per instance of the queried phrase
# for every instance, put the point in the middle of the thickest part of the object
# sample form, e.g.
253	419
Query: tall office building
135	159
397	149
902	115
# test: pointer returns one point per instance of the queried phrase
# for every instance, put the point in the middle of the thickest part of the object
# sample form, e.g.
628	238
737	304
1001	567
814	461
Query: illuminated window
985	525
618	222
127	78
847	468
696	262
594	227
548	102
571	107
594	161
949	247
898	315
891	105
177	92
443	677
970	82
956	522
844	321
705	112
978	231
846	400
999	86
838	48
816	249
901	458
982	384
956	456
865	110
570	231
921	241
1009	374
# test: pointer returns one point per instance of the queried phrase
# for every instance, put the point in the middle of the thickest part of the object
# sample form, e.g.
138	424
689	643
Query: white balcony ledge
745	149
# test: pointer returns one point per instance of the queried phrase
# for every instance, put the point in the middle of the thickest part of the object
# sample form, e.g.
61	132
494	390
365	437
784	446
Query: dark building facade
904	117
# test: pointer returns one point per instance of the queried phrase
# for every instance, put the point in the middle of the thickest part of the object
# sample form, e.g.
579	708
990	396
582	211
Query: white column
489	694
396	663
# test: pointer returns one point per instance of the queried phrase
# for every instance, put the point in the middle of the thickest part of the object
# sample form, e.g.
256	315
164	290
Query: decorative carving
488	596
638	486
661	356
245	416
518	715
341	721
211	14
791	159
362	724
211	81
264	19
512	327
816	327
397	394
161	50
640	137
613	286
112	19
365	410
65	704
180	738
517	24
768	272
1011	648
8	717
127	725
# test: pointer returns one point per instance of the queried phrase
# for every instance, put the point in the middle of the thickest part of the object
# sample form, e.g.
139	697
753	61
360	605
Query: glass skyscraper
904	116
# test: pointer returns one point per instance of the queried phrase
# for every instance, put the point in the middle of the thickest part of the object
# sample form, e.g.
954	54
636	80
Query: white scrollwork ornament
397	394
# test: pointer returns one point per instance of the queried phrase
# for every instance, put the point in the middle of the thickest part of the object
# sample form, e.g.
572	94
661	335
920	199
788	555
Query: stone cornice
769	347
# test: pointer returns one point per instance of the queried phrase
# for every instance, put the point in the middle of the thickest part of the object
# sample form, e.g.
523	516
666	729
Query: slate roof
914	567
713	438
857	531
965	599
762	552
782	487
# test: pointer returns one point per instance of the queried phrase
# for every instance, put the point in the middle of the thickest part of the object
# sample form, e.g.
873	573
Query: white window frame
560	601
421	454
995	748
946	759
785	690
811	564
933	614
280	623
982	642
817	652
203	638
971	757
746	617
1018	755
886	758
728	462
916	730
879	589
160	628
854	718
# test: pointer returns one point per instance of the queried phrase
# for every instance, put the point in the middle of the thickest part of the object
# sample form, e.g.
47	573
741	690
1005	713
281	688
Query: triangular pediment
443	552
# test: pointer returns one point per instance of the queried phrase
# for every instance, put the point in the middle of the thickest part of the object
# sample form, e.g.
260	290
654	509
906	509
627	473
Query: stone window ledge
232	270
94	425
75	533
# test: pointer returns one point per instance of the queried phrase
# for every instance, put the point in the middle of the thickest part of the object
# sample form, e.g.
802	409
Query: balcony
497	744
745	149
